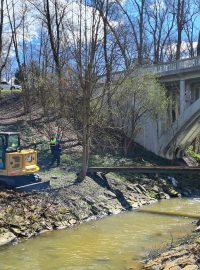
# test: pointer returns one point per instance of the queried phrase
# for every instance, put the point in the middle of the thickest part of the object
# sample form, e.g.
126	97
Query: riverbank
69	202
186	256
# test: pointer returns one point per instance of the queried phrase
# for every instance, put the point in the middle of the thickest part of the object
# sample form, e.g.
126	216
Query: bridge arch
181	133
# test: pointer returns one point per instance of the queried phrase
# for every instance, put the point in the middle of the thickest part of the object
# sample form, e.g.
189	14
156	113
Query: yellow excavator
18	166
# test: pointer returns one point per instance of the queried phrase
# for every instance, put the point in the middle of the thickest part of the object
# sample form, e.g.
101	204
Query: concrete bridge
172	133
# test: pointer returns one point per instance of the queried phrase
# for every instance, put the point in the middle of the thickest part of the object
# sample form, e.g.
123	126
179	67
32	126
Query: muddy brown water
112	243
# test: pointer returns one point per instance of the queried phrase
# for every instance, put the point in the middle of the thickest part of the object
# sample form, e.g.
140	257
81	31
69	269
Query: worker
55	150
52	144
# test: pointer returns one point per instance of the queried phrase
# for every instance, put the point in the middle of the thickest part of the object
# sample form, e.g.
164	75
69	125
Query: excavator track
27	183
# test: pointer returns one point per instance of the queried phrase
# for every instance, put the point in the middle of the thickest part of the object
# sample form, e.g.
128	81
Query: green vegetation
192	153
11	91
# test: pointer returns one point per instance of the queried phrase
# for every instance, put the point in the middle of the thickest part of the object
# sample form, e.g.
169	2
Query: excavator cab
15	161
18	166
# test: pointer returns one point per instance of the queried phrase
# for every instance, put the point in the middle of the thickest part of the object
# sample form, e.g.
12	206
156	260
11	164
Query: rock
63	210
141	188
7	238
110	194
167	197
130	188
54	177
155	188
83	215
172	266
89	200
143	202
135	204
197	241
197	229
15	230
170	190
162	195
191	267
72	221
18	219
138	190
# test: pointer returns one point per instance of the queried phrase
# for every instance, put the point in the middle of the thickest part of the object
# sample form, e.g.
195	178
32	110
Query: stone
54	177
135	205
162	195
7	238
131	188
155	188
197	240
15	230
141	188
89	200
184	260
143	202
110	194
72	221
138	190
172	267
63	210
190	267
197	230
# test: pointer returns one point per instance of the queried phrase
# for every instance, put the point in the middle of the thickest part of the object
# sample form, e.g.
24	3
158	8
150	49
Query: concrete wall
147	135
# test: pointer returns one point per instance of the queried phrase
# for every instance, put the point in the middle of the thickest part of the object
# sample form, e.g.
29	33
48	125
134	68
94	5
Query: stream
112	243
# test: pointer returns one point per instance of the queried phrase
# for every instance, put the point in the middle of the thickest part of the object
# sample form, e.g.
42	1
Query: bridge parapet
174	66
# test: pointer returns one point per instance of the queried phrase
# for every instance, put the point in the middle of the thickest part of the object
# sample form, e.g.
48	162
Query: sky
33	23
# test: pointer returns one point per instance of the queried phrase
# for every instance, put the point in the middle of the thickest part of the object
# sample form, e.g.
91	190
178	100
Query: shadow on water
174	214
103	182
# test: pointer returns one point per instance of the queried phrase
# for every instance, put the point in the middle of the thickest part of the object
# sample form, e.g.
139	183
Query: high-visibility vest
53	141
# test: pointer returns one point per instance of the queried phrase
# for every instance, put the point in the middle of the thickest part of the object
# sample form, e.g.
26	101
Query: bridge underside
179	125
183	138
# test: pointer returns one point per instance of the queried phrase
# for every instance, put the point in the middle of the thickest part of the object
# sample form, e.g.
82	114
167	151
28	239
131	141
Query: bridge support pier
182	96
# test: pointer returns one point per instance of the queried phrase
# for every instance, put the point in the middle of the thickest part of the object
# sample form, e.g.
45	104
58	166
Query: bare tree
16	21
184	13
91	71
5	39
136	22
160	25
85	51
52	14
190	30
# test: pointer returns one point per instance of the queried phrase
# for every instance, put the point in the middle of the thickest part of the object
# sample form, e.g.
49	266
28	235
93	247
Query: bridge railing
158	68
174	66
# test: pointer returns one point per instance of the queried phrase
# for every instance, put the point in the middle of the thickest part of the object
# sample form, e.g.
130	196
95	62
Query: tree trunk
86	132
85	157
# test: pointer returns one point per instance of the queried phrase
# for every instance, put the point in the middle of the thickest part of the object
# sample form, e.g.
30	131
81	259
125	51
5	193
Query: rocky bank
23	215
185	257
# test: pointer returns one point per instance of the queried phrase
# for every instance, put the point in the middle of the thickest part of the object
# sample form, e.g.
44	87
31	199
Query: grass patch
71	160
10	91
